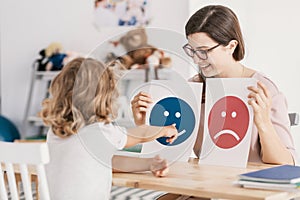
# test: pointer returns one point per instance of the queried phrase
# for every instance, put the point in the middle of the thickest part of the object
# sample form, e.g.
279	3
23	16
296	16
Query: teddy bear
140	54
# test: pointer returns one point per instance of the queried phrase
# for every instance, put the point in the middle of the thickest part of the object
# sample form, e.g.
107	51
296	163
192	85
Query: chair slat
11	181
26	182
43	185
3	192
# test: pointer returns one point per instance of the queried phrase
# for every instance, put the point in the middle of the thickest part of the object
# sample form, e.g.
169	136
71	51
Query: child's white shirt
80	165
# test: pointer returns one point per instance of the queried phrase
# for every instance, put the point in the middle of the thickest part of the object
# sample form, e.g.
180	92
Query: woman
216	45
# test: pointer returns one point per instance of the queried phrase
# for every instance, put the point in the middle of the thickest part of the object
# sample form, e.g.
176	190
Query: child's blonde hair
84	92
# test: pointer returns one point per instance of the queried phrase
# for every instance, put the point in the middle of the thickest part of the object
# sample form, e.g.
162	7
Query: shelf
139	74
36	121
128	76
46	75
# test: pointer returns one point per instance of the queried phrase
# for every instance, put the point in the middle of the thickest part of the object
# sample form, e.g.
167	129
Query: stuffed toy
52	58
42	61
140	54
55	57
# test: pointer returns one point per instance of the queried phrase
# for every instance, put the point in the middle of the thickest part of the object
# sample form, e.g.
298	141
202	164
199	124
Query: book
289	187
280	174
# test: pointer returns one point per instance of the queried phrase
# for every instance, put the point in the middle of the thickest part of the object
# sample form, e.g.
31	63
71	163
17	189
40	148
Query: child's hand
159	167
170	132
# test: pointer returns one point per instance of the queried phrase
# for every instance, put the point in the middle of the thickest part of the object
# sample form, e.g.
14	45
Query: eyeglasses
202	54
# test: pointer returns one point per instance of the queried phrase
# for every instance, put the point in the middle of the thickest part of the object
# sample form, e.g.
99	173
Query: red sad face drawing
228	122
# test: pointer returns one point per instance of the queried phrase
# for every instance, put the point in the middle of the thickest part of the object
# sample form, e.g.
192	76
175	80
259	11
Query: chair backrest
26	159
294	119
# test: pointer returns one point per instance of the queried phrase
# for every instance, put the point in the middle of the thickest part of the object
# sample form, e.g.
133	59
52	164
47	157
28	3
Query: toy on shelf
53	58
140	54
44	69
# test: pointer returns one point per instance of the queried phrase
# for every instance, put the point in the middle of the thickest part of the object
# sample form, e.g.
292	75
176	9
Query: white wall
28	26
271	30
274	48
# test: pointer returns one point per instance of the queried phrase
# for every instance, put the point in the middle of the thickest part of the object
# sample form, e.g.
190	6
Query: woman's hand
260	100
159	167
139	106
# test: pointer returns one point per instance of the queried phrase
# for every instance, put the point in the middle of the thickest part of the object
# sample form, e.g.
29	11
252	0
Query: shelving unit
33	120
30	121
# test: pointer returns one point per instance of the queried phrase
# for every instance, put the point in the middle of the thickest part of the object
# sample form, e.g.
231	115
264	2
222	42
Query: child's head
84	92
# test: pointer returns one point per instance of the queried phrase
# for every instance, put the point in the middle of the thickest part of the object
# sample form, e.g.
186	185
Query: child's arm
156	165
145	133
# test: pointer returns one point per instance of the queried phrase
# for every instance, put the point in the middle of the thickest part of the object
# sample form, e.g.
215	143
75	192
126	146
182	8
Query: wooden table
201	181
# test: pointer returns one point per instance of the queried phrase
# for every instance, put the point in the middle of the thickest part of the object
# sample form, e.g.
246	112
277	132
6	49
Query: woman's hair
221	24
84	92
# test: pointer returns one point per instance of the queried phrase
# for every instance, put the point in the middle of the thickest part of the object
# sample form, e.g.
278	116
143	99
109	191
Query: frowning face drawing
228	122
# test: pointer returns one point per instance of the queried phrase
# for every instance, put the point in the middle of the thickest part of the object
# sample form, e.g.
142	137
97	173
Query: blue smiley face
172	110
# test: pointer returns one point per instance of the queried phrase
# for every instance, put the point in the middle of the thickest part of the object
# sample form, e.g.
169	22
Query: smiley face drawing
173	110
228	122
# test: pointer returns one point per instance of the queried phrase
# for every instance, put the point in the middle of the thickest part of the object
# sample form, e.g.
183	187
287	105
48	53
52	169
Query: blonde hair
84	92
54	47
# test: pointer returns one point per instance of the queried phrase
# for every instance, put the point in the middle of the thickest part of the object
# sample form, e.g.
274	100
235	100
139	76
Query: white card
228	122
174	102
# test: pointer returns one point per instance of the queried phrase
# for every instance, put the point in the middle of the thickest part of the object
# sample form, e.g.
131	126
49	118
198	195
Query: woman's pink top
279	118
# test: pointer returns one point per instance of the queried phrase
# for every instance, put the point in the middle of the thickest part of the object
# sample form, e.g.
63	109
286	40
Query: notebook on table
284	177
280	174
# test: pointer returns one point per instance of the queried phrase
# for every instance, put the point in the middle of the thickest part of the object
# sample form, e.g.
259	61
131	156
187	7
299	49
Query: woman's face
216	57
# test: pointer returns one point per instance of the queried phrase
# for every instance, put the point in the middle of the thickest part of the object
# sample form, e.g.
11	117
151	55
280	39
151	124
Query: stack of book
284	177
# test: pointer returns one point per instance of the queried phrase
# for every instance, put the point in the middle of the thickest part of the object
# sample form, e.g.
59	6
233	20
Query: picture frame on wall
116	13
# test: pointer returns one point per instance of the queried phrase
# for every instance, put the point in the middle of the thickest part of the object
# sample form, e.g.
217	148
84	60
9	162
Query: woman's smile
205	68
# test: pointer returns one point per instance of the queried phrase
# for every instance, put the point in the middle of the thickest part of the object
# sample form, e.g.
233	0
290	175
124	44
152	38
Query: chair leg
169	196
34	179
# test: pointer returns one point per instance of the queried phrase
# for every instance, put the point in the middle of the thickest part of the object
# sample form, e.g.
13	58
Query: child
82	139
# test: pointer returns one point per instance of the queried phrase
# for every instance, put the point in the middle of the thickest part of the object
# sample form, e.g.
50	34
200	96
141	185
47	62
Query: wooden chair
26	159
